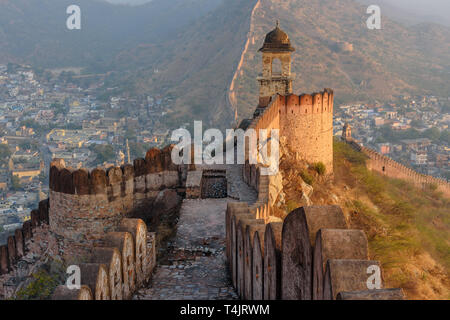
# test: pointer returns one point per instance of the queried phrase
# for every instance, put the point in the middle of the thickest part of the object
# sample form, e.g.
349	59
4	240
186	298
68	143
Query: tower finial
278	23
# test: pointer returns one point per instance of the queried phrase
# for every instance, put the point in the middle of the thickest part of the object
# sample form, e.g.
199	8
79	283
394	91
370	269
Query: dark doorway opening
214	184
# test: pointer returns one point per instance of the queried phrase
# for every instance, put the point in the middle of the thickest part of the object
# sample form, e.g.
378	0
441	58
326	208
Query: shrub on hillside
307	177
40	288
320	168
291	206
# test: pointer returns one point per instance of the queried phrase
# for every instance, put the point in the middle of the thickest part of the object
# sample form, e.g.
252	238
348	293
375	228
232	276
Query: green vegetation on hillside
40	287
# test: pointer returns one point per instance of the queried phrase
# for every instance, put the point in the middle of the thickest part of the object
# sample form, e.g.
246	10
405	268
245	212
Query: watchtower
276	76
347	132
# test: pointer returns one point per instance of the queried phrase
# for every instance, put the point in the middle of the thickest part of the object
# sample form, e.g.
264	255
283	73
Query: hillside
382	63
205	58
193	50
196	67
408	229
34	31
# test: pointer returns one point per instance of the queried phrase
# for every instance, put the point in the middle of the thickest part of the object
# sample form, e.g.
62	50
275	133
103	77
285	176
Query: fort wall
95	219
310	254
392	169
85	205
18	244
306	123
278	259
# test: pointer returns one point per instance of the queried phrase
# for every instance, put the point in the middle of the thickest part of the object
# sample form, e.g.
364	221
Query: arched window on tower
276	67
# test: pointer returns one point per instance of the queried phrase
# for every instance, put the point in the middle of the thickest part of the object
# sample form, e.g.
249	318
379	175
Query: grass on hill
408	229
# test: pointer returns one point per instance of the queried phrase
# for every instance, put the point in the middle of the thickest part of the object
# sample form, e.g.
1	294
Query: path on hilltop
195	267
195	264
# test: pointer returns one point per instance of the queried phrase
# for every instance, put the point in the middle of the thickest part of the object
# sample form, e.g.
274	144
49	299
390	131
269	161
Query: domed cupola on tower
276	75
277	41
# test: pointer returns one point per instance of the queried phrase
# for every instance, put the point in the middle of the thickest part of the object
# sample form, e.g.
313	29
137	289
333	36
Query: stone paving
239	189
195	266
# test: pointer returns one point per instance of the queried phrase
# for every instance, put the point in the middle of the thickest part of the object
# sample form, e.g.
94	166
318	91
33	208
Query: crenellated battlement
316	103
87	204
157	169
98	218
305	121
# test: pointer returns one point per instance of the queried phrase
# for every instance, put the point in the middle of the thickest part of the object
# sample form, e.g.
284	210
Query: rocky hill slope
35	32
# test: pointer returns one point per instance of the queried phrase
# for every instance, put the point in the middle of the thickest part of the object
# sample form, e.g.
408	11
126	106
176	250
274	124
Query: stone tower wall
272	83
307	123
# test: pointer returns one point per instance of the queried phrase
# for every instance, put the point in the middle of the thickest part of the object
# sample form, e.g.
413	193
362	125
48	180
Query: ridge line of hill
231	93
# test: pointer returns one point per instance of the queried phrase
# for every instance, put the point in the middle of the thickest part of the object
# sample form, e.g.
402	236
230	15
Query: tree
138	150
5	153
433	134
15	183
416	123
57	108
29	145
445	136
104	153
130	134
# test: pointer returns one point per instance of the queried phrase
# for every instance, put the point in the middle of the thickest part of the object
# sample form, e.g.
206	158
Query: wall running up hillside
392	169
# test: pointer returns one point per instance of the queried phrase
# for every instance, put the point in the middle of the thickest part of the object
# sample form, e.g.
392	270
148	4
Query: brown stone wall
18	244
271	83
293	254
84	205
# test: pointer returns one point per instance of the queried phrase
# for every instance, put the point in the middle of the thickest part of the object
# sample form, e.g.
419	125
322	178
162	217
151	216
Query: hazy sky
129	1
429	7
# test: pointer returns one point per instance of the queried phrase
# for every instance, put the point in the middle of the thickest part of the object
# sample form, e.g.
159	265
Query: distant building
419	158
416	144
384	148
